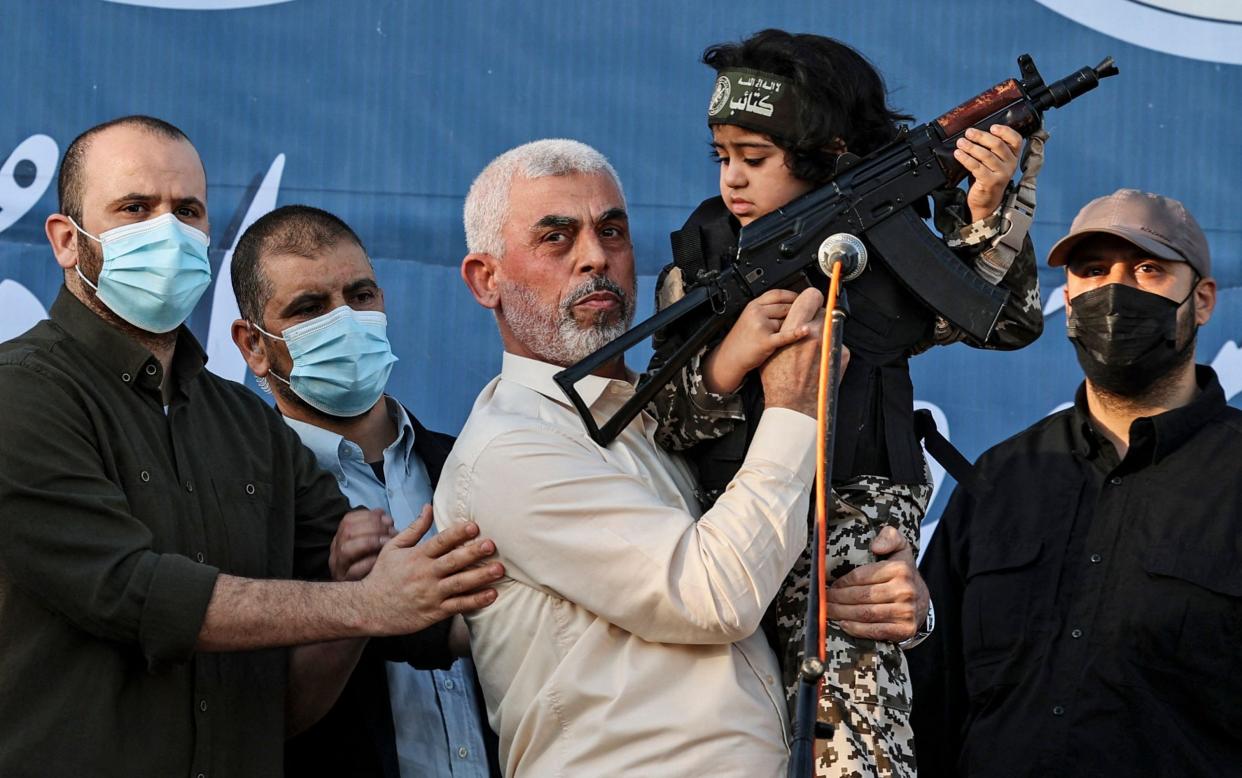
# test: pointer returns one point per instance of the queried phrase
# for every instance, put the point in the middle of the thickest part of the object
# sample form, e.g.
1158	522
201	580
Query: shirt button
199	557
201	775
145	476
448	684
1115	480
126	377
189	486
152	369
463	752
1077	633
1095	559
1057	710
202	705
249	488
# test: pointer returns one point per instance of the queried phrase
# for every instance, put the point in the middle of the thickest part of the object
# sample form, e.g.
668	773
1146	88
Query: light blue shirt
434	712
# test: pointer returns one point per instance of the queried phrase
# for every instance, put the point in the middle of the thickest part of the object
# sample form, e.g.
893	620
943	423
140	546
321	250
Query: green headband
758	101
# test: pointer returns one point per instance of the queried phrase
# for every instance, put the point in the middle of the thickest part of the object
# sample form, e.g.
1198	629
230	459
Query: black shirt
115	519
1089	609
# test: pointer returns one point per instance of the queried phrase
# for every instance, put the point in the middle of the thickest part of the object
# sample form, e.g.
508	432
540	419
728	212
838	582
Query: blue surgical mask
154	272
341	360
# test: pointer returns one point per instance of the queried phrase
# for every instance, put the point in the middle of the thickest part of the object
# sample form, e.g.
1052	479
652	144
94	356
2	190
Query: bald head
70	185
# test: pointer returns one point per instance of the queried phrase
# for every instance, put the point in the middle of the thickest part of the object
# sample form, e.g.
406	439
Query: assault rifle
870	196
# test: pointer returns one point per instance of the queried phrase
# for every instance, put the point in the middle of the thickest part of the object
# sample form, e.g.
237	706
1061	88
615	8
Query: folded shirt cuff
174	609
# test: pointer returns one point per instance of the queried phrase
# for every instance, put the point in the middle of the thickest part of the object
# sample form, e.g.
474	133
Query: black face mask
1125	338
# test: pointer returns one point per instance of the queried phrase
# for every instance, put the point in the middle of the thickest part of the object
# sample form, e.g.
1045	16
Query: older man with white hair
623	641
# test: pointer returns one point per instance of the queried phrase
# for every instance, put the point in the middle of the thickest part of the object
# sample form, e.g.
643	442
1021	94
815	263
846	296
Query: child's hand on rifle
991	158
755	336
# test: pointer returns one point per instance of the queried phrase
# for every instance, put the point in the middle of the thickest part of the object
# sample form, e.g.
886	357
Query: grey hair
487	203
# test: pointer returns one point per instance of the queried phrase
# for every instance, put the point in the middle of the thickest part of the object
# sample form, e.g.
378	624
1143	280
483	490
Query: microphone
844	248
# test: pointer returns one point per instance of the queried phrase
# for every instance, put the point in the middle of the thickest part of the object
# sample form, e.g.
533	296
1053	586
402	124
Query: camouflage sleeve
1021	320
685	411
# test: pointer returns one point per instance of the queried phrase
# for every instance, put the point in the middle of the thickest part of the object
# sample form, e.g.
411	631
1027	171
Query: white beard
555	336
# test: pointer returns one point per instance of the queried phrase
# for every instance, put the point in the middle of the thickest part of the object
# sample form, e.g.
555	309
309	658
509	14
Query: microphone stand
840	255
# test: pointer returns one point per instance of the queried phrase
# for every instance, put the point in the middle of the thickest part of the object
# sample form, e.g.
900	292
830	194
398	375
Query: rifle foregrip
979	107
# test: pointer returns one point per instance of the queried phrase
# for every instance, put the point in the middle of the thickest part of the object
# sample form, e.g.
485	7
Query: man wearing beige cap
1089	592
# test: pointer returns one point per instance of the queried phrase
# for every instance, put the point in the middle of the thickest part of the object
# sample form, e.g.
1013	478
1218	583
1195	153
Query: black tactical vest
875	425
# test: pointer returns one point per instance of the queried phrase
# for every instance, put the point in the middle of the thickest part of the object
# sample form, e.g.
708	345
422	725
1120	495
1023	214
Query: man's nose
1121	273
592	257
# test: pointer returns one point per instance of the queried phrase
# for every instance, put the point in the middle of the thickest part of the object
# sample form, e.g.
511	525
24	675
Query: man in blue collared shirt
314	334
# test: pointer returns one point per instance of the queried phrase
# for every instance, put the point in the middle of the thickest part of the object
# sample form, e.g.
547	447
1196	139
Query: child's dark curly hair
842	99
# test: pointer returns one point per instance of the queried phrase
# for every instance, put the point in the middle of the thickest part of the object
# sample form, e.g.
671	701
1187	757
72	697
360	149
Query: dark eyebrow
148	198
744	145
302	299
553	220
613	214
360	284
194	201
1089	260
1080	260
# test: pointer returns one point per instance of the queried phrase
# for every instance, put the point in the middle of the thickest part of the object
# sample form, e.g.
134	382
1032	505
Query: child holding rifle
784	109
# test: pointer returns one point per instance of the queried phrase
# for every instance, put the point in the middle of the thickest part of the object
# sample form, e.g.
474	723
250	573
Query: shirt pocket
1184	640
244	510
1001	608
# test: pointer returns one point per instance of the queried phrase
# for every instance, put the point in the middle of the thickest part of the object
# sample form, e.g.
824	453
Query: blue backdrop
384	110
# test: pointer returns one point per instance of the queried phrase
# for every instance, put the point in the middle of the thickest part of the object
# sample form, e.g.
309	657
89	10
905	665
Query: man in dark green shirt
152	513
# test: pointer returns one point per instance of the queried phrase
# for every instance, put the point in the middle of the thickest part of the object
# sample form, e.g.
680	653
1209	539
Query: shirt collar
1087	441
332	450
1154	437
1173	428
405	428
120	354
537	375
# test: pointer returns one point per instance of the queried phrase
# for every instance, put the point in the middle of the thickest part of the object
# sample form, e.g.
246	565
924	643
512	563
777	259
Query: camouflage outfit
867	693
866	697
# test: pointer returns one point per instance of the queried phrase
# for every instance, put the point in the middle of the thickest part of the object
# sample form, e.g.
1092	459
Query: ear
1205	300
63	236
251	346
480	272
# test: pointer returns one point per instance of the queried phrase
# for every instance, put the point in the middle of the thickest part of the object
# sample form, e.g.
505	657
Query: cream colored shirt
624	641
